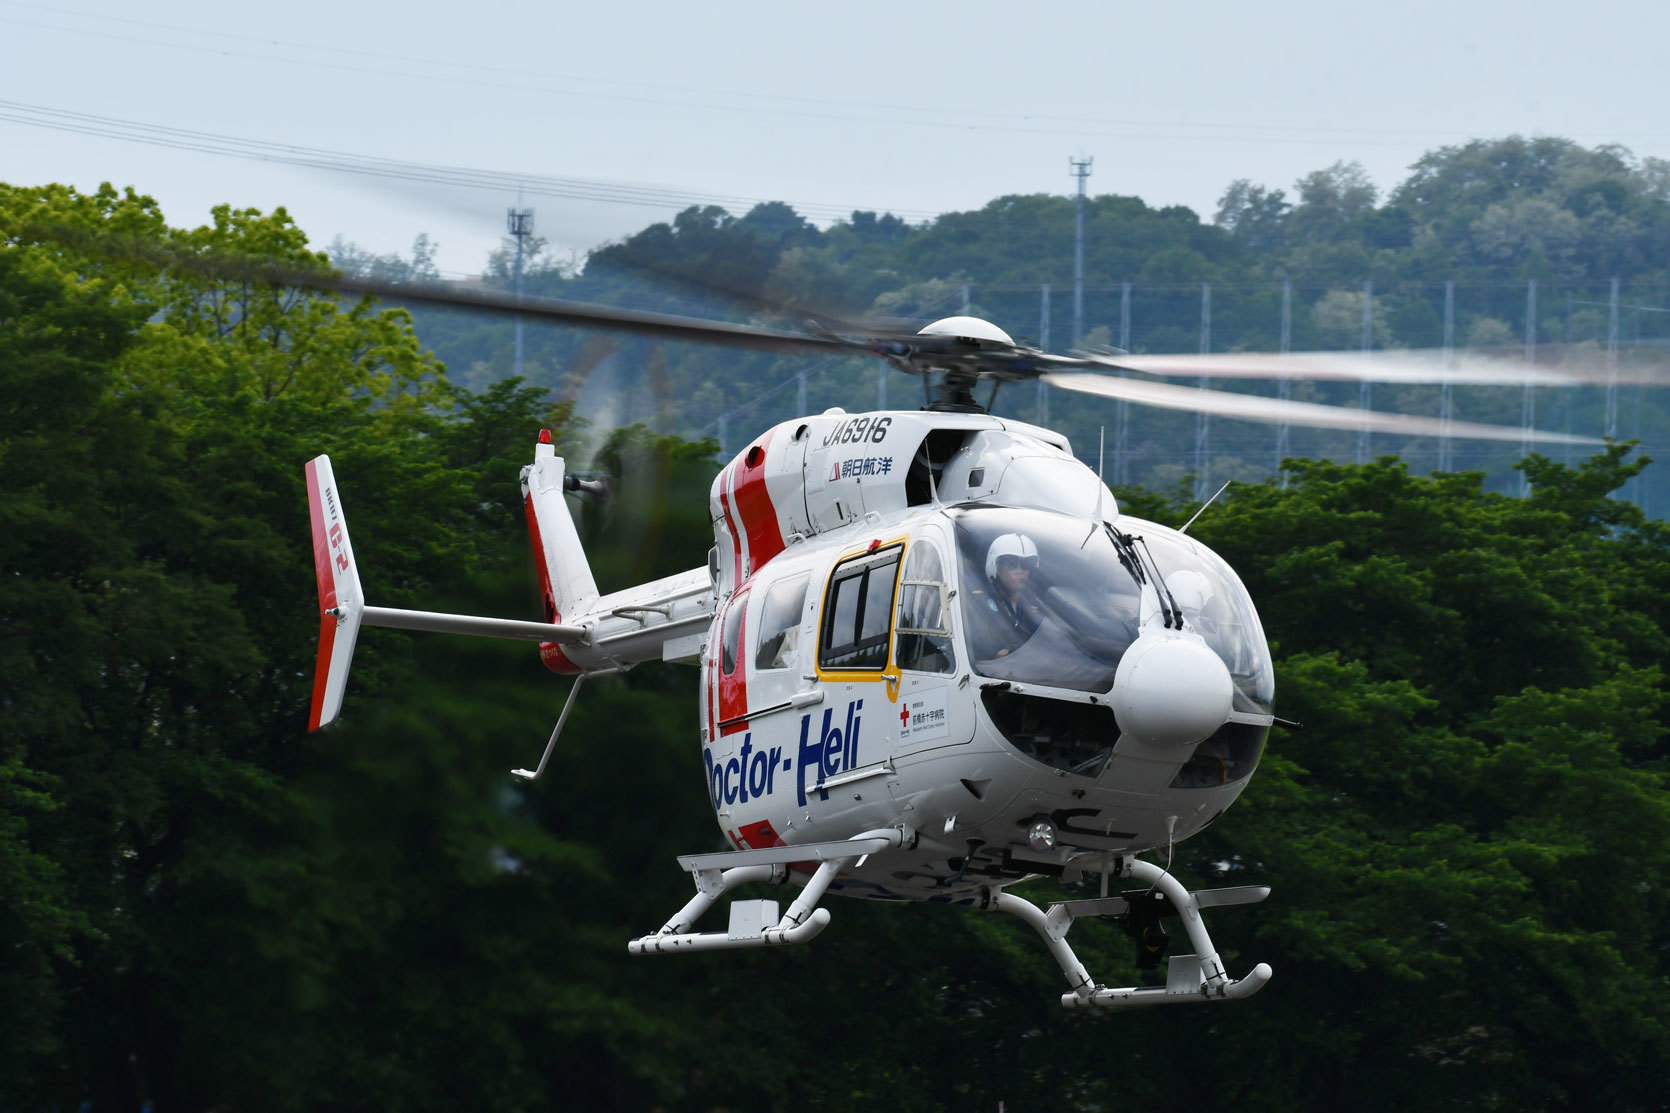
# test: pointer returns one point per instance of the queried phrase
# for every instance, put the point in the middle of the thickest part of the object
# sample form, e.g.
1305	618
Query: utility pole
1041	412
1365	393
1203	423
519	222
1122	426
1612	363
1284	387
1446	404
1081	171
1528	402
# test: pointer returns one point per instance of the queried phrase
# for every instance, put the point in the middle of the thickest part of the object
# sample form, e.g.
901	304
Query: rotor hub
972	329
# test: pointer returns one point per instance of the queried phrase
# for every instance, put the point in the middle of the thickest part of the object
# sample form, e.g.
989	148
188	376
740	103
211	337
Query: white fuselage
849	680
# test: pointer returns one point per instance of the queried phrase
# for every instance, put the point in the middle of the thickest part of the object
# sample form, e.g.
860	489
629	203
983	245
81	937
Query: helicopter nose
1171	690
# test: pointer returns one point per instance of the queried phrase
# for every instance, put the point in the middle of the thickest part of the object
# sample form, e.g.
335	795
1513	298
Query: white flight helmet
1010	545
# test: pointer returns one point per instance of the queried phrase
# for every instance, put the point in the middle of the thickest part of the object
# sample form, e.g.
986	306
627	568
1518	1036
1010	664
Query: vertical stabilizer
564	573
341	601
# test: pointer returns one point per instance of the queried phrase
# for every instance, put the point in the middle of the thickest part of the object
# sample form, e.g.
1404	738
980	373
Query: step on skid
755	923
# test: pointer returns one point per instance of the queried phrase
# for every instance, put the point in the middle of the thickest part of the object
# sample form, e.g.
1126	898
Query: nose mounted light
1041	836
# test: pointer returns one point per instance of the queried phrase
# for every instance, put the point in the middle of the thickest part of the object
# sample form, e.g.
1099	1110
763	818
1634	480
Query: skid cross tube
755	923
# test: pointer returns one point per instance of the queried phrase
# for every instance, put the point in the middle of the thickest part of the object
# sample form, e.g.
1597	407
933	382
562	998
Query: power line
581	189
587	85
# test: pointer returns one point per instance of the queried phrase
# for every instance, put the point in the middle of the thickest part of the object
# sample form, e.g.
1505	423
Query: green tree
1466	921
157	586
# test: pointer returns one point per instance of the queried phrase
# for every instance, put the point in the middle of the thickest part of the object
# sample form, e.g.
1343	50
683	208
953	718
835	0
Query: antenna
1101	454
1205	504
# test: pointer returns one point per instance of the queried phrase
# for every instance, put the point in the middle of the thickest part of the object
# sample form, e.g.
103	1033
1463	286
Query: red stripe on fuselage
754	508
327	594
727	503
755	539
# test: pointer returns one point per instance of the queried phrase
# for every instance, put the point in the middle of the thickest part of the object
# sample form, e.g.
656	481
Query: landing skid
1189	978
755	923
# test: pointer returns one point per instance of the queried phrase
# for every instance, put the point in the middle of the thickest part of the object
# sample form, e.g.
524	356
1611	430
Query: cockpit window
924	625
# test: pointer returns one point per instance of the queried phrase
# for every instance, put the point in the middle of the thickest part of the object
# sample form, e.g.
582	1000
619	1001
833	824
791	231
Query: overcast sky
917	108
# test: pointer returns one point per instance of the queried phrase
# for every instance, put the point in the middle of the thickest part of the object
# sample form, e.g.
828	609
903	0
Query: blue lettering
851	755
811	757
835	750
752	774
830	762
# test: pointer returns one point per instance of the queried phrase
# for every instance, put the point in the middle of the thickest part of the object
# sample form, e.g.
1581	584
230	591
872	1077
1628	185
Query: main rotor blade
1411	366
664	326
1278	411
901	345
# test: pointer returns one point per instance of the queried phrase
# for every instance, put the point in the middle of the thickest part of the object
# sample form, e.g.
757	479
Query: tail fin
564	573
341	600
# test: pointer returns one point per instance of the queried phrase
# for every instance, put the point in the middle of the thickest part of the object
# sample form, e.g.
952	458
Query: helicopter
936	659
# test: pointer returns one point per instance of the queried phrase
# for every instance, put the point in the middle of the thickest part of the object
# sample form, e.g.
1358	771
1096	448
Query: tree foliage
206	908
1490	216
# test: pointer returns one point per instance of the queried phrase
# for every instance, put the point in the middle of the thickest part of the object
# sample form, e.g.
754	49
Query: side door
779	665
930	713
849	736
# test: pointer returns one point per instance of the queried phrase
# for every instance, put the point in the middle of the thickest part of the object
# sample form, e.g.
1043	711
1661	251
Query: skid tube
755	923
1189	978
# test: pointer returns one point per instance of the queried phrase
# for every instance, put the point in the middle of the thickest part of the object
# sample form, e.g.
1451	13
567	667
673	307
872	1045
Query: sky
613	117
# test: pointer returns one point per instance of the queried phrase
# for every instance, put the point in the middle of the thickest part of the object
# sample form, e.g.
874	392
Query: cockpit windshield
1064	618
1216	606
1045	599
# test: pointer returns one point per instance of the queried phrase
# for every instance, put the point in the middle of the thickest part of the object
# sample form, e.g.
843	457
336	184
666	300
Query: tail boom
659	620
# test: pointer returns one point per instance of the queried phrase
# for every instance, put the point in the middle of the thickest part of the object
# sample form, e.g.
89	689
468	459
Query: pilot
1006	611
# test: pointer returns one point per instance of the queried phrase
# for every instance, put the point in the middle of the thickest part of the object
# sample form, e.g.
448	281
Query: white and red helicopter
935	658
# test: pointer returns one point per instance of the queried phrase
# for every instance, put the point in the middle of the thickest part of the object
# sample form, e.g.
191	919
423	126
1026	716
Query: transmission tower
519	222
1081	171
